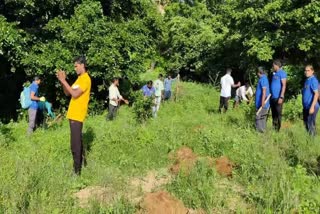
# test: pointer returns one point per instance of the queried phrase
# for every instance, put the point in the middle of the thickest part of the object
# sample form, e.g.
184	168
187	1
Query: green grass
275	171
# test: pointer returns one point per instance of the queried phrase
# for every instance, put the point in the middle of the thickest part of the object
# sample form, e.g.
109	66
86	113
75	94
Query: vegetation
133	39
275	172
124	38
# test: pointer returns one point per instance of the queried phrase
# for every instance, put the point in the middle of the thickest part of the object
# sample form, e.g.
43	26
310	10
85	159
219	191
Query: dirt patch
224	166
233	196
178	92
97	193
198	128
151	182
286	125
184	159
161	203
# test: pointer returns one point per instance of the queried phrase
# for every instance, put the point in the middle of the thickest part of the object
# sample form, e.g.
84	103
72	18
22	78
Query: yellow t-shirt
78	107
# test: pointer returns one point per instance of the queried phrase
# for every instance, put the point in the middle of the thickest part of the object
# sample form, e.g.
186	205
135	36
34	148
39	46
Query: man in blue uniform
310	94
278	89
262	102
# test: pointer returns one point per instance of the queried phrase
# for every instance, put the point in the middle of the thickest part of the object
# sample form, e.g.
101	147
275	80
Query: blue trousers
310	121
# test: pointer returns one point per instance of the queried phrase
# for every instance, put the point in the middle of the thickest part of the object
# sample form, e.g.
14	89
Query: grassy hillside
273	172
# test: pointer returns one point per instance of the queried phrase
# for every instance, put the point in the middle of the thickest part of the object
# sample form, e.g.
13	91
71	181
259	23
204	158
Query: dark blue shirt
262	83
34	88
148	92
276	84
310	86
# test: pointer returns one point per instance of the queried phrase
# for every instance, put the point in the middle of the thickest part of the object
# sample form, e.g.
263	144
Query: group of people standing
158	90
271	96
267	96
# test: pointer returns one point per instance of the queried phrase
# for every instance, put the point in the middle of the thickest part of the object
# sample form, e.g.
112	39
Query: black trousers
224	103
276	110
76	145
112	112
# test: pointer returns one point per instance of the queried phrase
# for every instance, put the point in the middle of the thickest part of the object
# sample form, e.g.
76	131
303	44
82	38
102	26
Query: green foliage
110	50
193	37
122	38
6	136
295	80
275	171
197	189
142	107
12	41
293	109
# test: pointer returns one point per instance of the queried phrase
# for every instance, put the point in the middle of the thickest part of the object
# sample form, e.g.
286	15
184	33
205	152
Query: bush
142	107
293	109
6	135
295	78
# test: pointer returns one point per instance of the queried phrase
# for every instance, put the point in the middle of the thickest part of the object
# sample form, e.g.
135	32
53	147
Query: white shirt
158	85
114	94
242	92
226	84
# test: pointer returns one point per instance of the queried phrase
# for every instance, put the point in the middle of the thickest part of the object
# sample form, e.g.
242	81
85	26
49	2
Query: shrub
295	78
293	109
142	107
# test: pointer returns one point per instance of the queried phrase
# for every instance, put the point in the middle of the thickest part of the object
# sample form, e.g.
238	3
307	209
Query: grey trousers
261	120
32	120
112	112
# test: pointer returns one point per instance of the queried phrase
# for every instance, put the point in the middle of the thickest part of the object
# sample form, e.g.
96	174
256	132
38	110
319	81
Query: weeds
275	172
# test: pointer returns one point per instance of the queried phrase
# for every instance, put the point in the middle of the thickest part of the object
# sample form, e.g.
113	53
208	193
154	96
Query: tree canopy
197	38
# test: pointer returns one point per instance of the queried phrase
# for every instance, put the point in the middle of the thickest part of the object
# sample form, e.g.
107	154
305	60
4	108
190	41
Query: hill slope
271	173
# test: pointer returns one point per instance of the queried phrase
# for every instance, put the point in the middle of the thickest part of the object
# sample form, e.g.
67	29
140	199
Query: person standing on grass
242	93
310	95
226	84
262	101
158	85
148	90
167	86
278	89
33	108
78	107
114	99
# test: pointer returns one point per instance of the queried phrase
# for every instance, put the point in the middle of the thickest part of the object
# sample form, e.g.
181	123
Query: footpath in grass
189	160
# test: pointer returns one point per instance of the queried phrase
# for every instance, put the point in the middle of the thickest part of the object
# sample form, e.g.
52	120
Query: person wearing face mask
310	95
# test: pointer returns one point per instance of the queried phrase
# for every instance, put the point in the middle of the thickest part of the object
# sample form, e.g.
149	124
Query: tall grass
276	172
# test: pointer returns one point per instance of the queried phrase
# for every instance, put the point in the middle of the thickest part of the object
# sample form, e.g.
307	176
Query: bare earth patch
198	128
286	125
184	159
161	203
224	166
102	195
234	199
151	182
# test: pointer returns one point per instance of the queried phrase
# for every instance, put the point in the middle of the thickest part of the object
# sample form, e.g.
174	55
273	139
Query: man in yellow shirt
78	107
